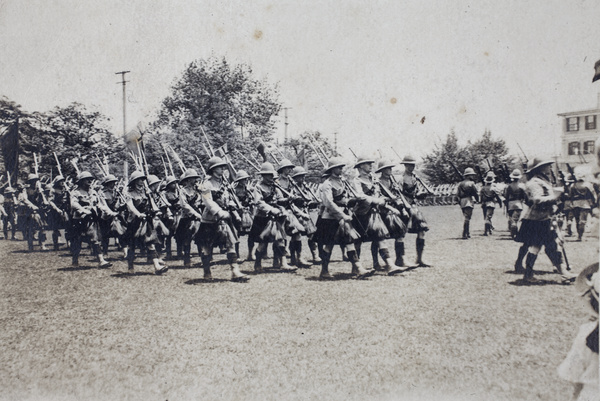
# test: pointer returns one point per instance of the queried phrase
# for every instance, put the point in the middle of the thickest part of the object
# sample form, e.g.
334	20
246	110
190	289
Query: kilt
258	226
536	232
216	234
326	229
369	231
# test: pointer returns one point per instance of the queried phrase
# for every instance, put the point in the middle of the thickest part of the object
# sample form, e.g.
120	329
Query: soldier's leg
399	248
467	213
261	251
529	262
75	247
420	244
520	256
583	217
159	266
375	247
29	231
314	251
325	258
300	261
357	267
250	249
390	267
569	223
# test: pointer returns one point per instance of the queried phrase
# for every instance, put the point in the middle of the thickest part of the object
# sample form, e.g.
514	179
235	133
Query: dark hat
298	171
152	179
516	174
84	175
469	171
537	163
241	175
409	159
363	160
170	179
108	179
267	168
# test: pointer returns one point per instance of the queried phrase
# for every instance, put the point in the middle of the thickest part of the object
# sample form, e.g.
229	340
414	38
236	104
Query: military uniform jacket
467	193
488	195
81	201
410	187
582	195
515	195
191	203
368	193
266	198
216	199
334	197
540	198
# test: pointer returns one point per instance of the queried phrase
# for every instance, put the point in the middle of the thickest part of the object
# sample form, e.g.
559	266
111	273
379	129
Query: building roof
579	113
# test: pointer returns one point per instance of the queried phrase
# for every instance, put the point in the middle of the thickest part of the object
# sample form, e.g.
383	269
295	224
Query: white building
580	130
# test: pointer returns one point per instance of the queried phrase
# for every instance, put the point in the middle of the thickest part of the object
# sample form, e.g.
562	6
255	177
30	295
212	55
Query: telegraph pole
285	129
335	143
124	99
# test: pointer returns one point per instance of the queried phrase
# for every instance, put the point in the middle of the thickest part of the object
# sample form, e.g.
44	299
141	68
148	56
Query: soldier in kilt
191	214
514	197
269	220
245	196
142	222
417	224
59	205
467	196
216	226
334	226
537	229
112	224
367	216
31	201
84	219
306	201
171	213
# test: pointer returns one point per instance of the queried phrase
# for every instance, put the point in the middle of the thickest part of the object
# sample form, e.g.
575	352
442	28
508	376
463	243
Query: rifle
248	160
153	205
399	200
39	184
456	170
525	156
57	164
479	174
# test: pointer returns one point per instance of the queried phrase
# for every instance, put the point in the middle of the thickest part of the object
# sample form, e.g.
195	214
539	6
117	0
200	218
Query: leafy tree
477	154
221	100
301	151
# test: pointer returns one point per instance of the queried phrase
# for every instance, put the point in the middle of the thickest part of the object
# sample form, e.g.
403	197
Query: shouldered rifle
456	170
399	200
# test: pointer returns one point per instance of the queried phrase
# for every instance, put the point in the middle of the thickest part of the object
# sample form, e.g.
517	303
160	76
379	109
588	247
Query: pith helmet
298	171
409	159
333	163
537	163
469	171
152	179
170	179
108	179
188	174
267	168
215	162
32	177
241	175
84	175
489	177
383	164
363	160
516	174
58	179
136	175
283	164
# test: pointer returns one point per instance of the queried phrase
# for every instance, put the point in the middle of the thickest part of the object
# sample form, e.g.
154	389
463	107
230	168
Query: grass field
463	329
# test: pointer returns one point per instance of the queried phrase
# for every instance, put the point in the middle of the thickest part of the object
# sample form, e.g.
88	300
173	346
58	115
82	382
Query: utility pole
285	129
124	99
335	143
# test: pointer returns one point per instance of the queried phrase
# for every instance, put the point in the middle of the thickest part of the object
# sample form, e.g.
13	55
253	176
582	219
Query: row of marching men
146	213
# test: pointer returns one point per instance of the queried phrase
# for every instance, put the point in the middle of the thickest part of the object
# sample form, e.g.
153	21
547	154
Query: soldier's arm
261	205
326	195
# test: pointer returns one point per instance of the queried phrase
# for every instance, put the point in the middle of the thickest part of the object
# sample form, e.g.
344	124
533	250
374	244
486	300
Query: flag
596	71
9	143
301	158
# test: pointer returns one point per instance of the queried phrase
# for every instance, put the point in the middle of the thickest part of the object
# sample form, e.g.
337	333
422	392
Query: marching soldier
583	199
111	223
306	201
141	223
216	226
467	195
410	189
536	229
245	196
171	209
334	226
9	217
489	197
367	216
84	219
59	205
567	208
268	225
31	200
514	198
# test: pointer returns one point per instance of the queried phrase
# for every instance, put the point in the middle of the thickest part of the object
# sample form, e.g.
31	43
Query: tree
481	154
302	151
219	100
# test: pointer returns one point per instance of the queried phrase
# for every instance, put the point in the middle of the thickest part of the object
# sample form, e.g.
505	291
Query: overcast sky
370	72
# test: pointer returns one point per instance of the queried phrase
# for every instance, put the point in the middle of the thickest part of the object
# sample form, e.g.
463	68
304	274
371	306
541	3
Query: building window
574	148
572	124
590	122
588	147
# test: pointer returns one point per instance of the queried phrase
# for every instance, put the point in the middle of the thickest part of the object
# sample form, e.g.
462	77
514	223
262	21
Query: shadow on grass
82	268
337	277
538	282
133	274
198	281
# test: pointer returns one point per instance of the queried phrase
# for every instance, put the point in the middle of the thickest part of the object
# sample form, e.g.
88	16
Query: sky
381	74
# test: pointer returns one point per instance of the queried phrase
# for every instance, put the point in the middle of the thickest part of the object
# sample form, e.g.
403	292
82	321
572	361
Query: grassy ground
463	329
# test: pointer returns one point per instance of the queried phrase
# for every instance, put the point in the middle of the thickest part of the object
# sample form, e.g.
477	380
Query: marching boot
284	263
325	275
130	265
399	248
75	261
237	250
158	267
250	257
529	262
375	255
258	261
465	234
387	261
103	262
206	267
580	231
187	261
236	274
293	248
420	247
520	256
314	252
300	261
357	268
485	231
